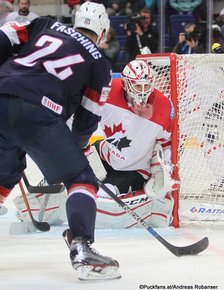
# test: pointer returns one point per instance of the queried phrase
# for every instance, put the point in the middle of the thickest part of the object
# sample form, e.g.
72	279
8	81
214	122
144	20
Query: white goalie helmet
93	16
138	81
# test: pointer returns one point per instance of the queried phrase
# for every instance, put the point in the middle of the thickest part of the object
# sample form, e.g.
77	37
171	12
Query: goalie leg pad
156	212
162	209
101	193
21	228
3	210
54	214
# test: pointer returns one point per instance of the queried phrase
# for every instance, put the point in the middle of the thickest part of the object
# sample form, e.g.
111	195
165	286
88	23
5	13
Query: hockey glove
161	181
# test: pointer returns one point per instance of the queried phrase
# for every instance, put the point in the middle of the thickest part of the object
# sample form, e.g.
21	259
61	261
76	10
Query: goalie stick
41	226
49	189
43	207
193	249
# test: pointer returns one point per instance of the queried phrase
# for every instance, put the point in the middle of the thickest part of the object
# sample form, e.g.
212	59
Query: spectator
217	36
23	14
136	5
184	6
73	4
200	12
217	48
5	8
150	4
190	41
118	7
111	48
140	35
220	20
73	7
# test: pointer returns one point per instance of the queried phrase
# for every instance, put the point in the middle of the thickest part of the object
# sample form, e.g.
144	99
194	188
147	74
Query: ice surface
40	261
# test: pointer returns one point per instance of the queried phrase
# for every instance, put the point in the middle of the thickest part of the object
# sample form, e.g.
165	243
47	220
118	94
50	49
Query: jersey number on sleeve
48	45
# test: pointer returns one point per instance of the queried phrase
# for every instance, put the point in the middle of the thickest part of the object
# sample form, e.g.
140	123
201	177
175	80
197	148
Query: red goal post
195	84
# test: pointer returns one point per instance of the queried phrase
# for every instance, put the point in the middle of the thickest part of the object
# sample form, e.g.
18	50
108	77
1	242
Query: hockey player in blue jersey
48	73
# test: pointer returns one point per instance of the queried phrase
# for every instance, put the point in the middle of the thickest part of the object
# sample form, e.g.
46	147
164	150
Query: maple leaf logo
116	129
116	137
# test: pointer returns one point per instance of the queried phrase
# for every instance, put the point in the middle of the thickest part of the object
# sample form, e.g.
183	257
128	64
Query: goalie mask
138	81
94	17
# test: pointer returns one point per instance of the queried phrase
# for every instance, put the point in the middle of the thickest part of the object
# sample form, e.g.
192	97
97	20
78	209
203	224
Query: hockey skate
3	210
89	264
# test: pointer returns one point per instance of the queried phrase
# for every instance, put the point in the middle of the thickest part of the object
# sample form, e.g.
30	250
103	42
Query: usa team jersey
130	139
55	67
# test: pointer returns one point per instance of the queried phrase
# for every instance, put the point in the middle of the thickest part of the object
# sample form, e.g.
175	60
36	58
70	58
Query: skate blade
91	273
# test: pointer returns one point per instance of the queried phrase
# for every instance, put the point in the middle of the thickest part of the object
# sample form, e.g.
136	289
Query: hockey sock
81	214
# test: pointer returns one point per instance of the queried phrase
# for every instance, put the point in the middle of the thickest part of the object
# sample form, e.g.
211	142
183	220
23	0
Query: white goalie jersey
130	139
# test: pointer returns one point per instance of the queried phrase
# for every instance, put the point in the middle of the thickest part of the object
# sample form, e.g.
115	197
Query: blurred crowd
141	27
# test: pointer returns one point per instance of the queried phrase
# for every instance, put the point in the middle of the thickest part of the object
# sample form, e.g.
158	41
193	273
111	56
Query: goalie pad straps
161	181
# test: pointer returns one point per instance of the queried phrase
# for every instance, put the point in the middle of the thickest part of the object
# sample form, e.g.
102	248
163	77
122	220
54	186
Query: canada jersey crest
116	136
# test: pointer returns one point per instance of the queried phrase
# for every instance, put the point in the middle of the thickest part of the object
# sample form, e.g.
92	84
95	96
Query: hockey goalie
133	159
155	209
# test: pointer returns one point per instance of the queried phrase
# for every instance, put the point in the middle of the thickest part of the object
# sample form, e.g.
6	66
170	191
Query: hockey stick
28	227
43	207
41	226
193	249
49	189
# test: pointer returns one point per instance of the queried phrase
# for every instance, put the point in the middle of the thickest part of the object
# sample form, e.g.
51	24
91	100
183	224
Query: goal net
196	85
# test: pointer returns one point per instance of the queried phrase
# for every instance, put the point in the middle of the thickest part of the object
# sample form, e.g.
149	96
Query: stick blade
193	249
41	226
54	188
49	189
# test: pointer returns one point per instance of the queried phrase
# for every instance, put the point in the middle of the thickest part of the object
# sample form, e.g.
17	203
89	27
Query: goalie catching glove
161	181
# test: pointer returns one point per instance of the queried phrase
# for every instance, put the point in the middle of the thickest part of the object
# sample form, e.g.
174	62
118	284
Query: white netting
200	96
200	85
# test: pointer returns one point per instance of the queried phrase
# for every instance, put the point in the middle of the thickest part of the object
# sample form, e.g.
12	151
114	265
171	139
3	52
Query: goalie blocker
156	211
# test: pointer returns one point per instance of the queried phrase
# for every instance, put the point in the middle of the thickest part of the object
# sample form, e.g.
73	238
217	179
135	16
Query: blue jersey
55	67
